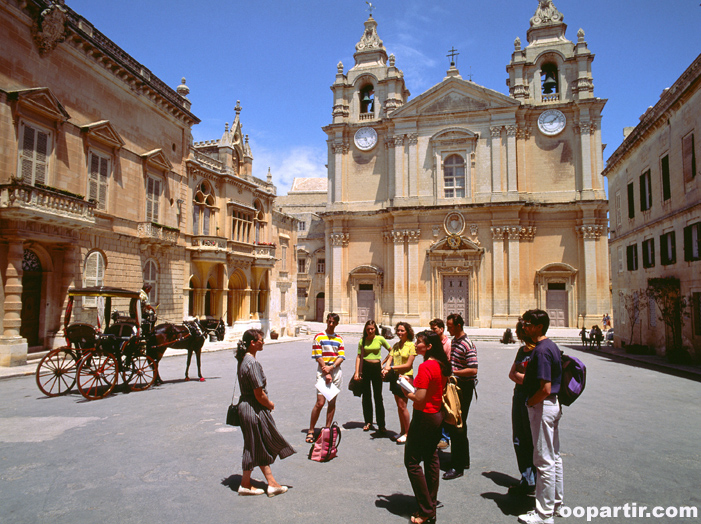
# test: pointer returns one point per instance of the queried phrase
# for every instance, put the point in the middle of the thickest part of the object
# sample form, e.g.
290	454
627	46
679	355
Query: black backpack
574	379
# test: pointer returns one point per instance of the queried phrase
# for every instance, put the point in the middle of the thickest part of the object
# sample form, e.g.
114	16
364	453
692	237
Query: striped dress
262	442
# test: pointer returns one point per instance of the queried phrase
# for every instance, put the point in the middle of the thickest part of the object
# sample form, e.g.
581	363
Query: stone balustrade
21	201
157	233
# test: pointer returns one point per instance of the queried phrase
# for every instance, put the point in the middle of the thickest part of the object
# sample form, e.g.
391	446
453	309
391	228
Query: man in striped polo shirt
329	353
463	358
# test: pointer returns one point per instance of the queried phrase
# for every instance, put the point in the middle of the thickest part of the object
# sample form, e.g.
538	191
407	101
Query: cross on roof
452	54
371	7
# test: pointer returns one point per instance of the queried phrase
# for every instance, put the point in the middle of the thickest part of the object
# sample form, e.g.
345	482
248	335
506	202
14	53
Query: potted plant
274	334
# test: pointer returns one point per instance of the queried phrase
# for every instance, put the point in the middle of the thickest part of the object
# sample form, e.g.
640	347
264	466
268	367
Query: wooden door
320	304
366	305
455	296
31	307
556	307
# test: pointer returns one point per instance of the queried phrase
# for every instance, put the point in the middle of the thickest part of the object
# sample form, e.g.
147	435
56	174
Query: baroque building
100	184
463	199
655	189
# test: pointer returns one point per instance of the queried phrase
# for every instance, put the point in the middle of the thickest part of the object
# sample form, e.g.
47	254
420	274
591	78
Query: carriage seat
81	335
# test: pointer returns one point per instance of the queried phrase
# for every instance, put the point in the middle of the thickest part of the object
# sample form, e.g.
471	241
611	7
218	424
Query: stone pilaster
514	238
13	347
590	234
499	291
339	242
400	290
496	158
511	171
413	261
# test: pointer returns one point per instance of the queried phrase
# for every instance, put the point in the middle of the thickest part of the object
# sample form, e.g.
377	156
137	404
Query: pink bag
326	446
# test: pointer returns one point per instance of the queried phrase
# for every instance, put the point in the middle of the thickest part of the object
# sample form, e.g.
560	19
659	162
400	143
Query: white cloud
289	163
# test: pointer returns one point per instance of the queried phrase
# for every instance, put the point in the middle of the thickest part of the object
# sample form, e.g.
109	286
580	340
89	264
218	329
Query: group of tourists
536	411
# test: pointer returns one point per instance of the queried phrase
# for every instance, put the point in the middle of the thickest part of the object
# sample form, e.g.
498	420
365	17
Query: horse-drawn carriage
120	343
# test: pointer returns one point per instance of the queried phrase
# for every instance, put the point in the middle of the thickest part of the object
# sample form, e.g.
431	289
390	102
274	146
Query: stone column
340	149
412	173
391	167
399	168
585	129
496	159
339	241
590	234
413	263
400	297
246	306
514	278
13	348
511	171
499	293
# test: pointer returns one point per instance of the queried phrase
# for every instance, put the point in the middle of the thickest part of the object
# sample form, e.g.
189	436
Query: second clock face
365	138
551	122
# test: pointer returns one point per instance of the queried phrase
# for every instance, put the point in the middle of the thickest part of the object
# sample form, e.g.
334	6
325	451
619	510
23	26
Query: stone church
463	199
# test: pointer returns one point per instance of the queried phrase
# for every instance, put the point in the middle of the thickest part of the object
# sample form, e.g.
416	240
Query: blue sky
279	57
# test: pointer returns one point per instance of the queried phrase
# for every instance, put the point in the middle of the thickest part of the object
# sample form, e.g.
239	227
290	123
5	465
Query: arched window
454	177
93	275
203	212
259	222
151	277
367	99
550	83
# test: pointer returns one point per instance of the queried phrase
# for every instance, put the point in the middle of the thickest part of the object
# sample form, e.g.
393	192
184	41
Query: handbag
356	387
233	417
451	403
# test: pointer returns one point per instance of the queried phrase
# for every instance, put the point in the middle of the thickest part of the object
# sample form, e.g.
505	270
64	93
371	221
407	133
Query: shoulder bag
232	414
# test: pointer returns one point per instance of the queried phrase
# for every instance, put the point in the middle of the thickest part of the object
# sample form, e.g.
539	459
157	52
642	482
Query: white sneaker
532	517
558	510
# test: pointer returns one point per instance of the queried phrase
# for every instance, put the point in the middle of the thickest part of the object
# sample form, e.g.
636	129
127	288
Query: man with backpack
542	385
329	353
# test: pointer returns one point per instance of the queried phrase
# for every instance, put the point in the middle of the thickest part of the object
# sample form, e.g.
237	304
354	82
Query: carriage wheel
97	375
141	373
56	372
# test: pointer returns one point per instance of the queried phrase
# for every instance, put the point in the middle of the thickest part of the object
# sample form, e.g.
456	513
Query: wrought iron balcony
20	201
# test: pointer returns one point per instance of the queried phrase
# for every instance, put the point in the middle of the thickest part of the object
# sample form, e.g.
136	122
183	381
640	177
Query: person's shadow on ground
509	504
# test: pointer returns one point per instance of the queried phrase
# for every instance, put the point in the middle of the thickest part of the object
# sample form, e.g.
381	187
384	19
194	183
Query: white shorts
336	377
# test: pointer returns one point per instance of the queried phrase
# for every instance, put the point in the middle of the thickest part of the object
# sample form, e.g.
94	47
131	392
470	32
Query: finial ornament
517	44
339	68
546	14
238	107
370	8
182	89
391	60
452	54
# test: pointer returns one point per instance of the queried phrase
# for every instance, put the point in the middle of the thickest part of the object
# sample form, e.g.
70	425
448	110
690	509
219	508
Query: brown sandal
310	436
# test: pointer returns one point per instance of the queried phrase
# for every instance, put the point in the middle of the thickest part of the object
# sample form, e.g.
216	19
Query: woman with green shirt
368	368
401	360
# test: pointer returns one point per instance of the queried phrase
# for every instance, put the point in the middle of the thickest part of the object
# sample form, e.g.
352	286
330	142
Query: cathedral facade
463	199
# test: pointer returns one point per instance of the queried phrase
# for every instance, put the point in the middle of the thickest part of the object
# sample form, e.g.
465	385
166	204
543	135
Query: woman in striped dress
262	442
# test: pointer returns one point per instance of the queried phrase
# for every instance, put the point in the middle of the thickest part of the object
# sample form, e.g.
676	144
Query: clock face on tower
365	138
551	122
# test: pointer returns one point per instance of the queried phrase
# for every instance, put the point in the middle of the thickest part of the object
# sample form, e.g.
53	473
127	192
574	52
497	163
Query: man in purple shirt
541	385
463	358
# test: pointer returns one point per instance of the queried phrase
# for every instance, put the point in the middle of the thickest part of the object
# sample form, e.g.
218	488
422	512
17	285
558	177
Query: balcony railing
555	97
367	116
209	242
158	234
26	202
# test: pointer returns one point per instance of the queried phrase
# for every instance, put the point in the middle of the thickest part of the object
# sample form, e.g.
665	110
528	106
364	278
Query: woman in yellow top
401	360
368	367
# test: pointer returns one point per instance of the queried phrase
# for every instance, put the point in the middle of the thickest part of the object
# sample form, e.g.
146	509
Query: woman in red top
425	429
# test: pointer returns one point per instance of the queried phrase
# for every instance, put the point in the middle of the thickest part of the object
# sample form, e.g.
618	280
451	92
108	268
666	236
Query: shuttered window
151	277
645	191
34	154
692	242
689	157
631	201
98	179
153	194
666	186
632	252
93	275
668	249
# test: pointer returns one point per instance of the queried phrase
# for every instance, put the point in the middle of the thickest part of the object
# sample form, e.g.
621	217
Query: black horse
190	335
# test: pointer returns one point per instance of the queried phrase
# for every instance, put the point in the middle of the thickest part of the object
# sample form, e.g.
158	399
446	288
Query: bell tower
363	98
551	68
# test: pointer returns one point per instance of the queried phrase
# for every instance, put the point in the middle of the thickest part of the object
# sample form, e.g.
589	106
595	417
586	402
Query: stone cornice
55	22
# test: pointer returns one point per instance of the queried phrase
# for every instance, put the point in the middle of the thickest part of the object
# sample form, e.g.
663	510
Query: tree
633	302
673	307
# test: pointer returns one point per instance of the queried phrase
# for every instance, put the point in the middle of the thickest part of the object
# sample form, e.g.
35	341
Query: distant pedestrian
262	442
368	367
425	429
606	322
583	334
463	358
542	384
329	353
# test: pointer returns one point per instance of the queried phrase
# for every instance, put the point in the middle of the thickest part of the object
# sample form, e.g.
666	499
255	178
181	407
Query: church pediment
454	95
456	244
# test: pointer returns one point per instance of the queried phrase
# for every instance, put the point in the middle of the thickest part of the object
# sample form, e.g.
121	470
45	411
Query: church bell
549	84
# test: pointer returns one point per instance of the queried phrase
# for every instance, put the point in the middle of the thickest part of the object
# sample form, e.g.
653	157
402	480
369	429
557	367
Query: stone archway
32	280
555	293
366	283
